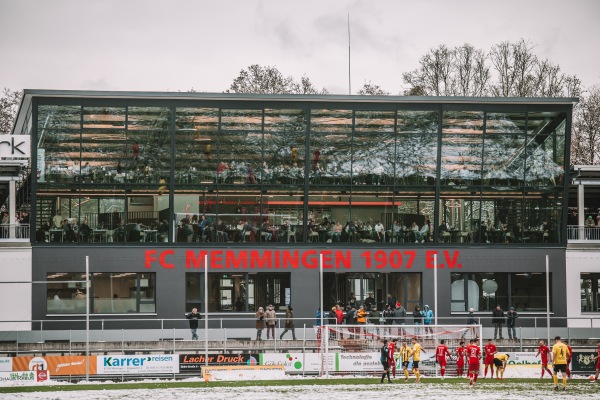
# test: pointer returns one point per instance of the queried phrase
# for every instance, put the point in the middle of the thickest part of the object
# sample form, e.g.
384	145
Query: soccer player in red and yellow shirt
543	351
440	356
473	357
391	350
490	350
460	359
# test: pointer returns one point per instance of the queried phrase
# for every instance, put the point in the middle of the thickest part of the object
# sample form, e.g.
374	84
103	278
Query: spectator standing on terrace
427	319
271	321
193	316
289	323
511	321
369	302
472	321
498	320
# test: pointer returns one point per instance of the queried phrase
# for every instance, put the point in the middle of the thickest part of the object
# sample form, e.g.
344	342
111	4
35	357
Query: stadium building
269	189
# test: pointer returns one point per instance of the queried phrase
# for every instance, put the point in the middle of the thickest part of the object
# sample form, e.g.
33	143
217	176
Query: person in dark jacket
289	323
511	321
417	318
472	321
498	320
193	316
260	322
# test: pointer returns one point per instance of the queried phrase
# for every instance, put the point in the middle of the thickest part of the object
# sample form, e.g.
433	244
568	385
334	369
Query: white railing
14	233
577	233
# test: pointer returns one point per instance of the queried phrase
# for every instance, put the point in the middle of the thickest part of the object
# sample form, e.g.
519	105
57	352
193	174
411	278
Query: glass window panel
503	161
505	123
325	209
528	291
459	219
406	287
59	146
410	122
375	121
373	159
229	292
148	150
195	141
373	214
461	160
462	122
545	158
284	144
480	295
590	292
416	157
331	142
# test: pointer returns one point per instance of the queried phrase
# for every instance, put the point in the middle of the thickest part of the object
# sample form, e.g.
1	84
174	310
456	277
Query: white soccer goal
355	349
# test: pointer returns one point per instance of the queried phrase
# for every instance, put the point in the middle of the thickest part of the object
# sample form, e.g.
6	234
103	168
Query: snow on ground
444	391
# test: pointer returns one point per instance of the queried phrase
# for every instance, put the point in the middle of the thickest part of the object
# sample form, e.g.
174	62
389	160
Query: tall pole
548	296
206	310
87	318
321	289
435	289
349	80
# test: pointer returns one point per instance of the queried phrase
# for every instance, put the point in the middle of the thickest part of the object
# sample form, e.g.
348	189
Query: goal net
356	349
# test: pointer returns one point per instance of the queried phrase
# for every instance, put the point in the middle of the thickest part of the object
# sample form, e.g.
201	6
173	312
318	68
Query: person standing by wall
511	322
271	321
193	316
497	321
472	321
260	322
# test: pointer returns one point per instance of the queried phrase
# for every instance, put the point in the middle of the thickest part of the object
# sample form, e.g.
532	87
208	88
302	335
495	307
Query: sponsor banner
38	376
15	146
359	361
297	362
524	358
583	361
151	364
56	365
6	364
243	372
194	362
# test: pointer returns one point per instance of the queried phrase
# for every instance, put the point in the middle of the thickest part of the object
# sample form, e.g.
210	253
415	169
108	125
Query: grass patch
575	385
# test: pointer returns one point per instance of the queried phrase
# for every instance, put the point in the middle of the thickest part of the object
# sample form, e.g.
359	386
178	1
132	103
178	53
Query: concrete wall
15	298
170	282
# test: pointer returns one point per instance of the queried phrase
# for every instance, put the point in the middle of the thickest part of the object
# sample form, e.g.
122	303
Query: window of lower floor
525	291
111	293
372	288
590	292
242	292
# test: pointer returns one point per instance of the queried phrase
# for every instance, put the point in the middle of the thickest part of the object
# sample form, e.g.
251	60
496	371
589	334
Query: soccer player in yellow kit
560	353
500	360
416	356
404	354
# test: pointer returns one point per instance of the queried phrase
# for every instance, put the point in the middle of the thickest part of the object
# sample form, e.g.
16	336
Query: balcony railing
14	233
583	234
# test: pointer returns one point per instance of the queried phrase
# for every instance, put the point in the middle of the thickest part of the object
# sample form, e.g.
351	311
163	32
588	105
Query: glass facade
266	172
524	291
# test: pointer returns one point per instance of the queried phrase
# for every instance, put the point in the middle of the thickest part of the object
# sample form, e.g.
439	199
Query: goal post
355	349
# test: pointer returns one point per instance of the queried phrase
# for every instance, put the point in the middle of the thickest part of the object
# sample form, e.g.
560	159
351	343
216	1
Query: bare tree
372	89
585	143
443	71
9	105
269	80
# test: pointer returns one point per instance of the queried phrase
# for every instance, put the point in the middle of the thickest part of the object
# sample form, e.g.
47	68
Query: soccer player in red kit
440	355
473	357
460	359
490	350
543	351
391	350
597	358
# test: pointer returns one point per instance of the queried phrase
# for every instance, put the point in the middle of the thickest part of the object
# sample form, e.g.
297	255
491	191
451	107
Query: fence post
173	342
303	349
41	331
17	343
70	341
122	341
224	340
535	327
521	338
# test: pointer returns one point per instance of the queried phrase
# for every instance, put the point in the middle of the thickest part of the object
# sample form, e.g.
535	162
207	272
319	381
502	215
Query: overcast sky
174	45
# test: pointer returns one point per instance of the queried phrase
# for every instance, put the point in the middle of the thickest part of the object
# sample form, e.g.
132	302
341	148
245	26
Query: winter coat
260	320
400	313
361	316
193	319
374	317
471	319
289	319
271	317
427	316
498	316
417	317
511	318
